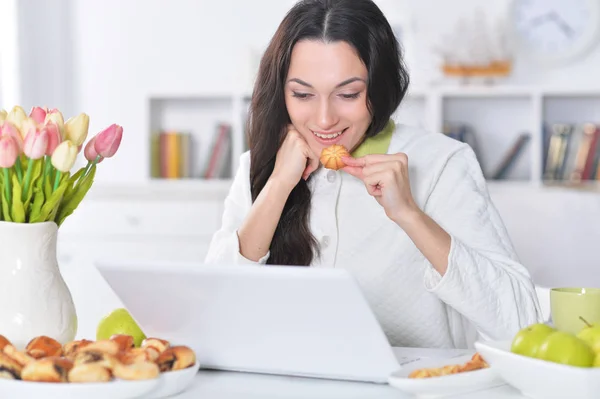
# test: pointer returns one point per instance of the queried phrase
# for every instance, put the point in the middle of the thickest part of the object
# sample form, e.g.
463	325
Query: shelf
498	114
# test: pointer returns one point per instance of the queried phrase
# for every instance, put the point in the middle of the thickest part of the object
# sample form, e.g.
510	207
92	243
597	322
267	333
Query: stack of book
174	155
571	152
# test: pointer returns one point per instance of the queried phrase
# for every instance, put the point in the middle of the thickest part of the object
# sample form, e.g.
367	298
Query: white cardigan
486	293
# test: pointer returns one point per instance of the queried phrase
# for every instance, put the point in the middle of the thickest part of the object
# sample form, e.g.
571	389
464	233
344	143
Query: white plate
173	382
167	384
537	378
102	390
444	385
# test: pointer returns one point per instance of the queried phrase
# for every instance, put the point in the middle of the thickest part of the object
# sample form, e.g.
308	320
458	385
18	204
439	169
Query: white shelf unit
497	115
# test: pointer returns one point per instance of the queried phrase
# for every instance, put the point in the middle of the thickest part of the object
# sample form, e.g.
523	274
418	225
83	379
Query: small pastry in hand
159	344
125	342
331	157
43	346
48	369
22	358
91	372
3	342
9	368
71	348
176	358
136	371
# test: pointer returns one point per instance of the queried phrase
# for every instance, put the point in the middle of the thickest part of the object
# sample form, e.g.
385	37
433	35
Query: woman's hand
386	179
294	160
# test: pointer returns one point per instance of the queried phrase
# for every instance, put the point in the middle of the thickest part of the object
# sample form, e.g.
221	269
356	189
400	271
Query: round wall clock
555	31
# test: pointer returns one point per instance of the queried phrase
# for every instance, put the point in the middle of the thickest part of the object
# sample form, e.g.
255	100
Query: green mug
569	305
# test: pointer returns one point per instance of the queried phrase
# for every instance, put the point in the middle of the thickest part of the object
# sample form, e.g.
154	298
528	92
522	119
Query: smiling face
326	94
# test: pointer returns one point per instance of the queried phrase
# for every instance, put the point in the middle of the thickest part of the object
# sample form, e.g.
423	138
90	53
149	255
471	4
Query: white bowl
537	378
117	389
444	385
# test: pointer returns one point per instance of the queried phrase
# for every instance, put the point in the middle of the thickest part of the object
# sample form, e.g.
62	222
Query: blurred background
519	80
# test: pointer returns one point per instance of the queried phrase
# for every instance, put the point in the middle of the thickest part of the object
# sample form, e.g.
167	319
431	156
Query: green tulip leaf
35	176
5	209
38	202
18	211
52	203
73	184
70	204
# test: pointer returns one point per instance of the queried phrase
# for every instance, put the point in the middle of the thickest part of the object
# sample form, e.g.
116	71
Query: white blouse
485	293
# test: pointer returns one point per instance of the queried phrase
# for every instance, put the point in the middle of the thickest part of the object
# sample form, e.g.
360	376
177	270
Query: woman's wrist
409	217
278	188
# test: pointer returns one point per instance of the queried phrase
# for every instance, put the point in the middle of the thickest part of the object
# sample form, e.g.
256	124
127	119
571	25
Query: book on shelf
218	165
174	154
466	134
571	152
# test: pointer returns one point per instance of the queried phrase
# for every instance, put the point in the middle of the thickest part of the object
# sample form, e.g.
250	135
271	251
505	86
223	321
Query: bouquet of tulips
37	153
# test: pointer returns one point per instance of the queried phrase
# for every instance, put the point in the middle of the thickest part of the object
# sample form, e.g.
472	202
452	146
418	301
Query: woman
409	215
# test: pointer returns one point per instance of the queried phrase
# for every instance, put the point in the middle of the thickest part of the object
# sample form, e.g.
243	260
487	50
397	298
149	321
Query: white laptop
299	321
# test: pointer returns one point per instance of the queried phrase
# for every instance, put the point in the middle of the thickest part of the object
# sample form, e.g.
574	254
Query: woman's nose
327	117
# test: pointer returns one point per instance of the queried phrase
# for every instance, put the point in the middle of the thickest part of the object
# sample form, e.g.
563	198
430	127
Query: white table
94	299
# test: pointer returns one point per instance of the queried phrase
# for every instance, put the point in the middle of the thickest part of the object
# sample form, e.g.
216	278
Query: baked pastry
136	371
125	342
9	368
136	355
176	358
476	363
90	356
4	342
43	346
159	344
71	348
331	157
22	358
104	346
91	372
48	369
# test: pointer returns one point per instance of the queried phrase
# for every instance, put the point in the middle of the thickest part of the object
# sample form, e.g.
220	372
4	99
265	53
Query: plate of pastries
113	368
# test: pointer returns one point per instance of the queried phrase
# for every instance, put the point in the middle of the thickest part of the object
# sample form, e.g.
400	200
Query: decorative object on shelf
38	192
555	32
477	52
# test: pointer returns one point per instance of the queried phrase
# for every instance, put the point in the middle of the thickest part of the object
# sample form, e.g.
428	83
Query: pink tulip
38	114
35	145
54	137
9	151
106	143
90	151
8	129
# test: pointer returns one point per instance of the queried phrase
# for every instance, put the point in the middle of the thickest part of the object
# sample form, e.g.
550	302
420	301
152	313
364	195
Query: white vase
34	299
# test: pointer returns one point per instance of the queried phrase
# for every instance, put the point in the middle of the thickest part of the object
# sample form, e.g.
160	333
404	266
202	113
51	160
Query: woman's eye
300	95
350	96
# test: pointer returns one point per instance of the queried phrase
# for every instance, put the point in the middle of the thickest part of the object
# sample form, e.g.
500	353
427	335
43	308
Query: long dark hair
361	24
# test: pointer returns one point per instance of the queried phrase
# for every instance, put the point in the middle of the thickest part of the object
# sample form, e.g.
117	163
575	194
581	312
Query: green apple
590	334
565	348
528	340
120	321
597	360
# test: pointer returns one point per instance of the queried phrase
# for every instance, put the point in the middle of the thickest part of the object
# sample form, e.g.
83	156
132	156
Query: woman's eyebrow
345	82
